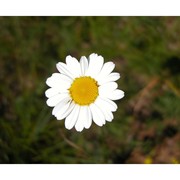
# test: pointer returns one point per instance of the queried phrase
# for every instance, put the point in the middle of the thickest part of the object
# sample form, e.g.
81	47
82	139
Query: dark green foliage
146	51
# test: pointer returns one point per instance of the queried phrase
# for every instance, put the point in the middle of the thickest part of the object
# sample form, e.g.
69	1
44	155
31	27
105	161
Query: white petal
60	81
115	95
88	120
53	79
81	118
85	118
72	117
105	109
53	101
111	77
73	66
109	116
62	68
62	111
97	115
95	65
106	70
106	89
65	78
84	65
109	104
51	92
69	107
60	105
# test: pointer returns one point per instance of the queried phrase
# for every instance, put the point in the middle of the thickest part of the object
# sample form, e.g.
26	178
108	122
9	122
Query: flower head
83	91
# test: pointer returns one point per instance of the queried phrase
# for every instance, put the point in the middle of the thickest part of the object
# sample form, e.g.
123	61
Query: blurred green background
146	127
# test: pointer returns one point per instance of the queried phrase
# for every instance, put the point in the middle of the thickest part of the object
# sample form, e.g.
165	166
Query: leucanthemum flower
83	91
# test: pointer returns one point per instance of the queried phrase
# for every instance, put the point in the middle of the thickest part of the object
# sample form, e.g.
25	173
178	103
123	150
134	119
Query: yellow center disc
84	90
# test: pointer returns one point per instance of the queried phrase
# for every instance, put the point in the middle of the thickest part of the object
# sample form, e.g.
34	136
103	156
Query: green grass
146	51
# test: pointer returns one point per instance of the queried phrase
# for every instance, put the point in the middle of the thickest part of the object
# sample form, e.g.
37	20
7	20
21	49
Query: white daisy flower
83	91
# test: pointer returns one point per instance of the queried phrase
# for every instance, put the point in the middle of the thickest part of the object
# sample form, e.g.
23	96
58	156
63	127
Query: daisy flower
83	91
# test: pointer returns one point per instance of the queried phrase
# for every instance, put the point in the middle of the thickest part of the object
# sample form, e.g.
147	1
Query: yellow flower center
84	90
